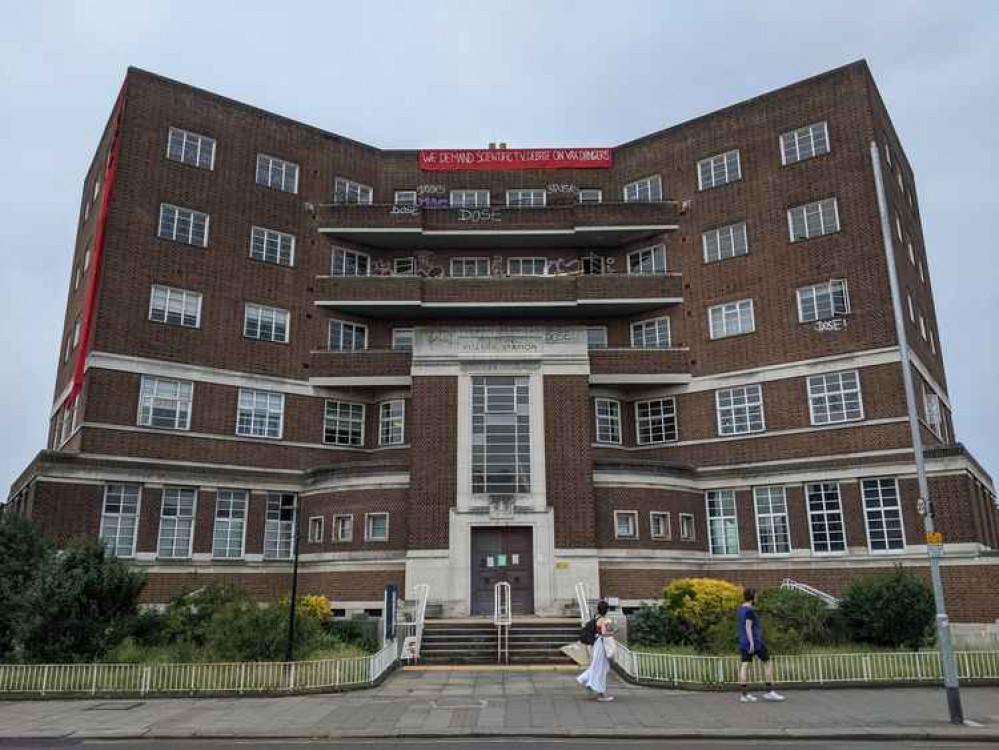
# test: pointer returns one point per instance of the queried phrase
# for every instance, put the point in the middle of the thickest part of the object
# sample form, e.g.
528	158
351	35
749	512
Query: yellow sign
934	537
561	565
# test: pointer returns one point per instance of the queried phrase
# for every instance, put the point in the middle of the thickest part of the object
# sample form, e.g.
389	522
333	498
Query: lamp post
289	652
933	550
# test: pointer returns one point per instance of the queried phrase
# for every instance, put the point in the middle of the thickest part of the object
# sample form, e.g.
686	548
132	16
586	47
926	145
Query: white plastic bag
610	646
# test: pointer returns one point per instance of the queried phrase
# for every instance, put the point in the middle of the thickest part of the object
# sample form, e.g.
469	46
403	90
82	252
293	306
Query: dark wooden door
503	554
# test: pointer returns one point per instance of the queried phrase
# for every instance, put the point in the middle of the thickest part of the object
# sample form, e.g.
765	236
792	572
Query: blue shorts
760	653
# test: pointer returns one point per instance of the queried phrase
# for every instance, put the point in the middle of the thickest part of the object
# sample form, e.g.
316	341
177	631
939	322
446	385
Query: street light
289	651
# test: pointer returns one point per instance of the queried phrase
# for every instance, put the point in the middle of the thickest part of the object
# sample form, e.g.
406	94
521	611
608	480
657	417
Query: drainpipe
943	622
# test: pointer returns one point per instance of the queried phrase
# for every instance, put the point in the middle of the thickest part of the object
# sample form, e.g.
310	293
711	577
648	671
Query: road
481	744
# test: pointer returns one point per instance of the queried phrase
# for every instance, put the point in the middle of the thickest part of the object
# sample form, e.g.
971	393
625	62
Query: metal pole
289	649
943	622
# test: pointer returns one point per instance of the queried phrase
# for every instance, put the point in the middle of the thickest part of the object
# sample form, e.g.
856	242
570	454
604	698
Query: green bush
247	631
723	637
794	610
189	616
651	626
23	555
695	605
357	631
894	610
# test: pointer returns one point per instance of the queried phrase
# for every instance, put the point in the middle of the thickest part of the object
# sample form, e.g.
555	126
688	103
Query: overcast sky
463	73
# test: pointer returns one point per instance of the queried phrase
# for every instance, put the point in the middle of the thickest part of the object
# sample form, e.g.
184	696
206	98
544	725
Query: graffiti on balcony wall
409	209
431	202
831	326
479	215
425	266
430	189
562	187
563	266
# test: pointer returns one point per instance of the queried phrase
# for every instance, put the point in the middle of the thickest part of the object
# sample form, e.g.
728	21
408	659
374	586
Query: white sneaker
748	698
605	698
773	695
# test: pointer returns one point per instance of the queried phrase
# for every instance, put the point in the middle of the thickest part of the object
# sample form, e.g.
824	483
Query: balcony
411	298
369	367
640	366
592	225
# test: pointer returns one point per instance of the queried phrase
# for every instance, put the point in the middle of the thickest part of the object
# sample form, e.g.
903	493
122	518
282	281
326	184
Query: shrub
188	616
358	631
893	610
247	631
318	606
23	555
723	637
695	605
651	626
794	610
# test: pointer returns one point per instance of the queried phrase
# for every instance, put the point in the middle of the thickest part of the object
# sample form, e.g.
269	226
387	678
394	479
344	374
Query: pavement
543	704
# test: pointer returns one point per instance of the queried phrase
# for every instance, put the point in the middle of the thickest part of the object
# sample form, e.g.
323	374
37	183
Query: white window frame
350	263
149	401
826	294
826	490
725	242
335	536
354	329
313	537
404	198
177	518
652	329
912	312
608	423
831	398
271	246
719	170
898	228
631	514
768	522
260	414
922	325
469	199
353	414
350	192
932	411
684	519
590	195
667	524
200	142
266	318
476	260
741	311
392	426
368	536
660	419
535	198
792	140
656	255
645	190
516	266
278	168
169	296
827	225
590	345
399	266
881	510
124	491
722	496
234	499
912	254
279	535
190	216
402	333
751	395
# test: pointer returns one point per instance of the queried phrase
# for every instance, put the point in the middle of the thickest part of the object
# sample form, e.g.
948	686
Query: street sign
921	506
934	538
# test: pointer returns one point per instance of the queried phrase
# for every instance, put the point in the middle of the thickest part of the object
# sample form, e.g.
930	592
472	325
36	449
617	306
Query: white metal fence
816	669
167	679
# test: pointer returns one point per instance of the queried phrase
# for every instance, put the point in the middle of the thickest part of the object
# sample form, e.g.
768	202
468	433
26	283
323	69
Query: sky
464	73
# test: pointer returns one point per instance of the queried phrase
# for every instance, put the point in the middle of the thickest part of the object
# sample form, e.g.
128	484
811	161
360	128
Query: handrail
422	593
831	601
584	606
502	619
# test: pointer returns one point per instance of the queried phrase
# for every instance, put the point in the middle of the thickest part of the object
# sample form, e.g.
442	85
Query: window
772	529
931	406
86	258
343	528
813	219
266	323
346	336
590	195
402	339
655	421
392	423
316	529
344	424
823	301
348	191
72	339
76	278
469	267
725	242
260	414
69	416
912	312
501	435
191	148
272	246
933	342
230	524
177	307
165	404
922	328
659	523
804	143
901	181
731	319
277	173
922	275
887	153
912	254
723	526
279	530
883	515
825	518
404	198
183	225
651	260
651	334
898	228
687	533
596	337
625	524
469	199
350	263
719	170
608	413
526	266
404	266
376	527
525	198
835	398
120	519
740	410
176	522
646	190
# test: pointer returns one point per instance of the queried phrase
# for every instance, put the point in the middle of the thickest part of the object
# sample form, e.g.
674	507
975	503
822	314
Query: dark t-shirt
747	612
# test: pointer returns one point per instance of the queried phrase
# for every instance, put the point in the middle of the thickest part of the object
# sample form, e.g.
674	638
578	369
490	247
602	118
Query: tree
23	554
889	610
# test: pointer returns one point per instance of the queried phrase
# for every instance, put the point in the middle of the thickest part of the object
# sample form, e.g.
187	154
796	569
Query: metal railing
814	669
584	605
831	601
502	619
193	679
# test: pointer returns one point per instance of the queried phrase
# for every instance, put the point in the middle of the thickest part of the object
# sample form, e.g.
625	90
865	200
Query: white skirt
595	677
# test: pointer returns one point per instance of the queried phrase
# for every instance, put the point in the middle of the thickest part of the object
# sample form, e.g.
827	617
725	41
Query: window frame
280	527
255	393
533	260
734	517
382	419
867	525
589	345
365	193
662	419
344	324
169	292
693	527
229	521
654	186
641	327
534	193
174	238
410	260
772	517
266	235
724	308
809	131
397	200
190	520
664	514
656	253
349	255
803	207
745	389
717	231
200	139
283	164
599	195
313	538
464	194
614	421
462	261
155	381
396	336
633	515
350	419
368	537
811	386
123	486
814	289
335	537
825	513
710	162
262	311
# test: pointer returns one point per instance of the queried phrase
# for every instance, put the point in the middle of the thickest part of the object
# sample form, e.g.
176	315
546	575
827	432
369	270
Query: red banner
483	159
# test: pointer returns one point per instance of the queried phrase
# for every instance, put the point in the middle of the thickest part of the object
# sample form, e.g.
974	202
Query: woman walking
595	677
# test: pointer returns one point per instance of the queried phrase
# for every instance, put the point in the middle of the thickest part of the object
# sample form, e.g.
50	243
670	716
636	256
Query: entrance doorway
503	554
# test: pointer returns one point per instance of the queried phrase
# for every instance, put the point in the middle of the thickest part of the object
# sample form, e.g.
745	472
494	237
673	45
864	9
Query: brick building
679	359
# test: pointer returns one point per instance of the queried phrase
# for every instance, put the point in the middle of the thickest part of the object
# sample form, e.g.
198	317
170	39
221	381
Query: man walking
750	645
